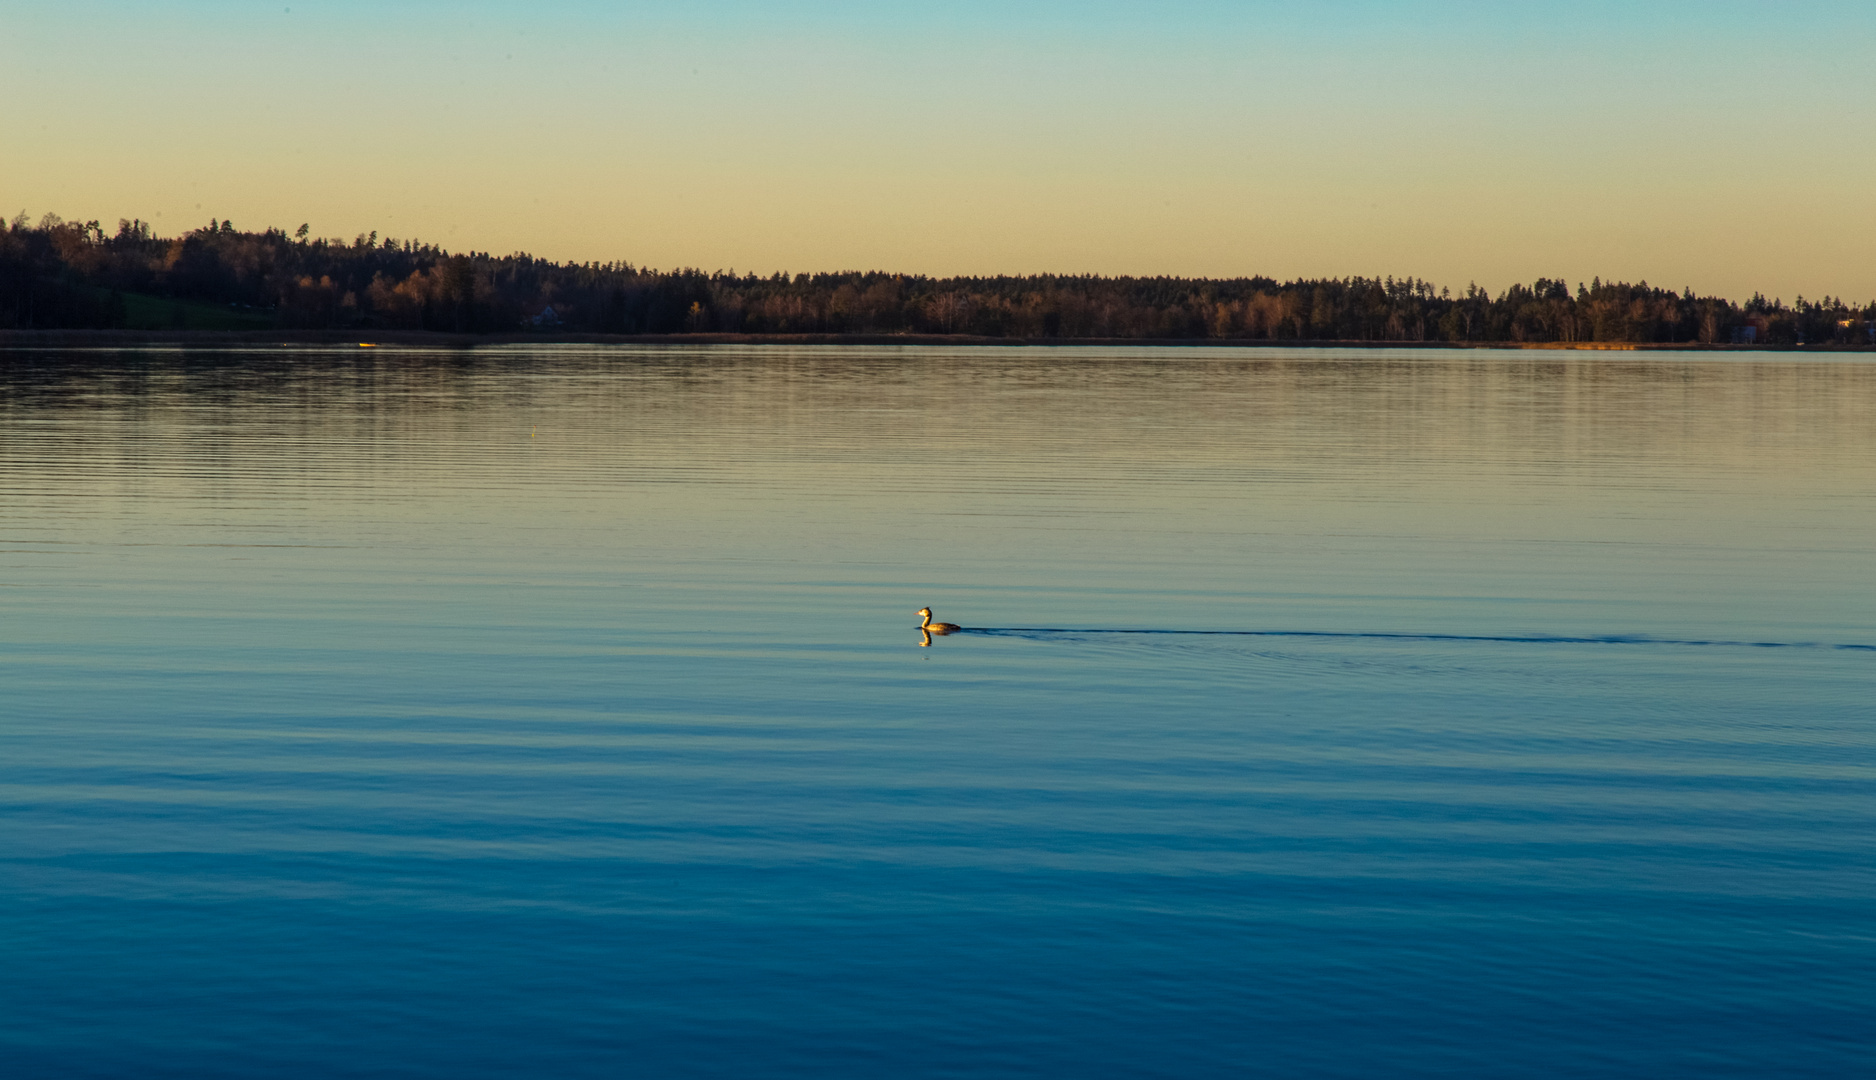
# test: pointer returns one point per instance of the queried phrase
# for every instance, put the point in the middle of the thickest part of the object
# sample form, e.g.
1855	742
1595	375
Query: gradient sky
1722	145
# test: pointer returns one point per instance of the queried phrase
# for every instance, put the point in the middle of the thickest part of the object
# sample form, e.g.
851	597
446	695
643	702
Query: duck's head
924	613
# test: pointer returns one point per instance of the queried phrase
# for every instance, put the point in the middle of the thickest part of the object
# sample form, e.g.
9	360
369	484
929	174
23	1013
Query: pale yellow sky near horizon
1191	140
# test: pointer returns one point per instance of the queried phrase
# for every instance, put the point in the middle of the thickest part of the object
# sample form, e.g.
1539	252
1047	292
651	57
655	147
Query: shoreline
23	339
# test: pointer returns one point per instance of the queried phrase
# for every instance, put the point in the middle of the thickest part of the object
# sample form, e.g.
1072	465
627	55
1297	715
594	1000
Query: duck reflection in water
927	628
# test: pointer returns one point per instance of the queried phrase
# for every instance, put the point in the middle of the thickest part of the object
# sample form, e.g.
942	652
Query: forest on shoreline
56	274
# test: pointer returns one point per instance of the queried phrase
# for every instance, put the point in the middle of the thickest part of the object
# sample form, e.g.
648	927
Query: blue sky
1725	146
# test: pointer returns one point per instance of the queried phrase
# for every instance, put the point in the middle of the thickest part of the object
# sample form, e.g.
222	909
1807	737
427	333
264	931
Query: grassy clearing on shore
145	312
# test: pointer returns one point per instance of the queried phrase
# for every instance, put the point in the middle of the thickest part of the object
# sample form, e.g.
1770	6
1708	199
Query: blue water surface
561	712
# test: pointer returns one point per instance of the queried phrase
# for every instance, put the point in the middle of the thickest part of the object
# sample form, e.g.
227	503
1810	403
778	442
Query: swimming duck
935	627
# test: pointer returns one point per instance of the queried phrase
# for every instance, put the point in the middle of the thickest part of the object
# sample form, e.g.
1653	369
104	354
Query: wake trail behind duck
1521	639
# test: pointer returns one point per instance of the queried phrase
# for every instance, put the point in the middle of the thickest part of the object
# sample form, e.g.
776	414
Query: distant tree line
59	274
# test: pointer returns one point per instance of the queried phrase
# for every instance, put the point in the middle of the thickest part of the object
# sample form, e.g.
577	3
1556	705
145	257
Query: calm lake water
561	712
